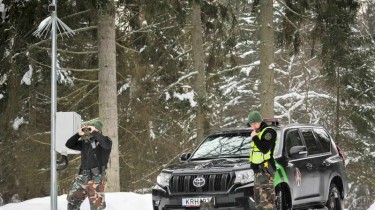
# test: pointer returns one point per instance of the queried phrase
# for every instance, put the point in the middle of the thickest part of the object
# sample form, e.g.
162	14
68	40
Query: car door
299	176
326	160
313	162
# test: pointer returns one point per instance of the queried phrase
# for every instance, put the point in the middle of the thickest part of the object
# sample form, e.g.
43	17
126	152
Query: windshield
232	145
224	145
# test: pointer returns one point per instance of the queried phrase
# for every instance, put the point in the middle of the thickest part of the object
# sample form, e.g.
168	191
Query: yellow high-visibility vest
256	156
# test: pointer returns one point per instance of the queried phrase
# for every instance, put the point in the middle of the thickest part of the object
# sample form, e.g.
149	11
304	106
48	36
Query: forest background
323	65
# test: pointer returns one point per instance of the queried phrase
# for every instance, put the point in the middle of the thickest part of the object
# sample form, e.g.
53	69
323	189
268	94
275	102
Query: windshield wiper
220	157
235	156
204	158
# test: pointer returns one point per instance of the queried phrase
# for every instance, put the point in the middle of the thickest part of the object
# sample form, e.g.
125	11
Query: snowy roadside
115	201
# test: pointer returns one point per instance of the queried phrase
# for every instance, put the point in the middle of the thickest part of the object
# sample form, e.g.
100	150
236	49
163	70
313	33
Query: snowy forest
182	69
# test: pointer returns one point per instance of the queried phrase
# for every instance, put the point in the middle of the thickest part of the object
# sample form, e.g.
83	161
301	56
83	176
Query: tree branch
81	70
86	80
125	48
290	9
68	51
76	14
85	96
287	19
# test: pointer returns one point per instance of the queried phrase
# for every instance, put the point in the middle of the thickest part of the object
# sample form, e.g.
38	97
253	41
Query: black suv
310	172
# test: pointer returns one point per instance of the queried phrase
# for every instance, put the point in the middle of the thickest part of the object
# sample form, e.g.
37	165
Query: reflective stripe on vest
256	156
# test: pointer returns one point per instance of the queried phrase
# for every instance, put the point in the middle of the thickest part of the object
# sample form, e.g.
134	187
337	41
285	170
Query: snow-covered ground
115	201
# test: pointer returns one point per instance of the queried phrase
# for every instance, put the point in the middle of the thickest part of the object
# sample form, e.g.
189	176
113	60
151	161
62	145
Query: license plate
195	202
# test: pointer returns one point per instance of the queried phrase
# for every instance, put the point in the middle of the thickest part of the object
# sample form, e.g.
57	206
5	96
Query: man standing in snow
263	139
91	179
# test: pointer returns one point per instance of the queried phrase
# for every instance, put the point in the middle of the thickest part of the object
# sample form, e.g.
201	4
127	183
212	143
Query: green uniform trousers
264	193
87	186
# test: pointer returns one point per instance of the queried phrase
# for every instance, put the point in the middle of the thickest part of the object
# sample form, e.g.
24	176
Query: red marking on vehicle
298	177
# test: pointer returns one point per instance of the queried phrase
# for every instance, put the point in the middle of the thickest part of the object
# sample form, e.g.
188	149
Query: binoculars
87	137
86	130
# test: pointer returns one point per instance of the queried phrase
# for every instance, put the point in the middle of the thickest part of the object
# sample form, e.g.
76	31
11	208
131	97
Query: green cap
96	123
254	117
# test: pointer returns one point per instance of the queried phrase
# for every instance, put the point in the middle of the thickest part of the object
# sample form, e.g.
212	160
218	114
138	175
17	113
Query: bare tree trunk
198	62
266	59
108	90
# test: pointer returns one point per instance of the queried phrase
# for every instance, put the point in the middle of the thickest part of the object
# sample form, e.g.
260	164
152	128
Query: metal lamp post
52	8
53	22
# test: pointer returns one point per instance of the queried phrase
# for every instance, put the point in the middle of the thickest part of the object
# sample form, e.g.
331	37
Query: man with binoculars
91	179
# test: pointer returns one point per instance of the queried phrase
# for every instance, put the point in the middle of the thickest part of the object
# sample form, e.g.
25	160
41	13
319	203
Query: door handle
309	166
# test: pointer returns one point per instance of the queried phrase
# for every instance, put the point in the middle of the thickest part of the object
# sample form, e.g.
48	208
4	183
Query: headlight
244	176
163	179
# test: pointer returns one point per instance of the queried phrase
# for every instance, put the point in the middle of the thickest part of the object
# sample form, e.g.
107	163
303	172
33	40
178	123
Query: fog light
157	203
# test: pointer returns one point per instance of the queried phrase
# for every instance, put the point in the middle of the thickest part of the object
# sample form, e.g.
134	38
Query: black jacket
102	150
265	145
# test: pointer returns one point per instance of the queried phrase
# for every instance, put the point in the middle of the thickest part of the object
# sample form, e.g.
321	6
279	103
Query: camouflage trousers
264	193
87	186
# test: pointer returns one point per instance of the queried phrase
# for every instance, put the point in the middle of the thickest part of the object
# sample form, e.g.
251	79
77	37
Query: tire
334	201
281	200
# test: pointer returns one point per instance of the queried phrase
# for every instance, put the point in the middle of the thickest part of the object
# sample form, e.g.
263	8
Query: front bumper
239	198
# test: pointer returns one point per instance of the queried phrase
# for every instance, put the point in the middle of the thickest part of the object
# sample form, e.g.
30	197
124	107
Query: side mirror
298	151
185	156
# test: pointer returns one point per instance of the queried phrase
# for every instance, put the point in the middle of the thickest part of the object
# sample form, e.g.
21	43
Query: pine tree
108	88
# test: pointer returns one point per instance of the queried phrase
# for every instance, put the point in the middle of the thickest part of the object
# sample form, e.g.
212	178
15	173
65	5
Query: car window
277	152
313	147
292	139
323	138
233	145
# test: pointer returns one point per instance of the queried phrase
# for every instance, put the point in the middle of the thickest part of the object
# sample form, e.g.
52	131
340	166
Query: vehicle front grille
213	183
